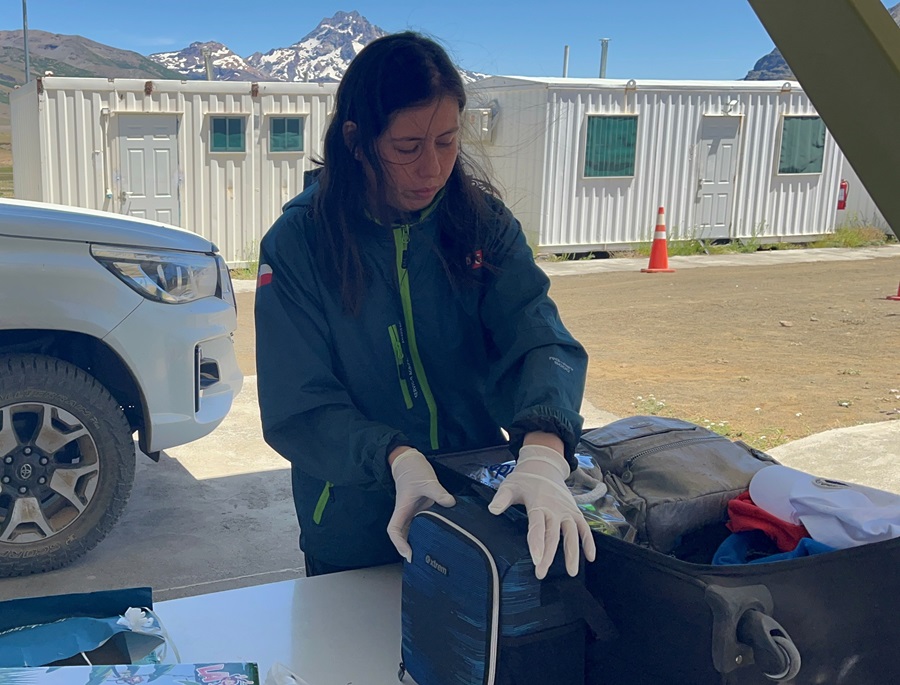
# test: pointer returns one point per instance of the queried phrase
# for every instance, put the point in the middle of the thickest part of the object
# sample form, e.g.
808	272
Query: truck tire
66	463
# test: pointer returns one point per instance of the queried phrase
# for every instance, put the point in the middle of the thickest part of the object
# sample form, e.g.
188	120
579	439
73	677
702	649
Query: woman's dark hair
392	73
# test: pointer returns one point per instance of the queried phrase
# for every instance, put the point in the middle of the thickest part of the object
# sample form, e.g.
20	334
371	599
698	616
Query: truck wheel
66	463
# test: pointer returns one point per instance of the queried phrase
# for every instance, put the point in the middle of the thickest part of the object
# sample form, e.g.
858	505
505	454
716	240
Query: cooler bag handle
580	602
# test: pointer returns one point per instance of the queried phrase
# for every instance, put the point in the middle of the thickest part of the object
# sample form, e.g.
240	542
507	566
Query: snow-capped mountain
470	76
191	62
321	55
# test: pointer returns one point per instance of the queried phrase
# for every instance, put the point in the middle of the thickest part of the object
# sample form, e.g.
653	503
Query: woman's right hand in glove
417	489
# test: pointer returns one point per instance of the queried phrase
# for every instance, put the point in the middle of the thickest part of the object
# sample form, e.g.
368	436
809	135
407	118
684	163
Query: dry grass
6	149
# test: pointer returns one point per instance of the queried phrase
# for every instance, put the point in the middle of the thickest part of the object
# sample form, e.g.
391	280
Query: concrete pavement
217	514
212	515
761	258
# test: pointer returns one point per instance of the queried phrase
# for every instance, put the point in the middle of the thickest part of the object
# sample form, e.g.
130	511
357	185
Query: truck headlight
162	275
226	288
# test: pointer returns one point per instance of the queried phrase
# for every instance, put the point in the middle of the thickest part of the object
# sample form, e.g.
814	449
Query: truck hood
22	219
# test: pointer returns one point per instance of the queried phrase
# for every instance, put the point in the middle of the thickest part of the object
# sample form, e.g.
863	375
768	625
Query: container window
611	146
286	134
227	134
802	145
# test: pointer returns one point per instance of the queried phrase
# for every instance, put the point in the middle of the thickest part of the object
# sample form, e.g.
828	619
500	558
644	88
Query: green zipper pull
321	504
404	256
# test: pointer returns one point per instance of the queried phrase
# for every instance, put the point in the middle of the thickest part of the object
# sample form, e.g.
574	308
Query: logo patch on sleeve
475	260
264	275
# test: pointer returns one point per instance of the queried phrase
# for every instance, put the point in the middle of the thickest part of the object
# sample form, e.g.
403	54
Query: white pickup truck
109	326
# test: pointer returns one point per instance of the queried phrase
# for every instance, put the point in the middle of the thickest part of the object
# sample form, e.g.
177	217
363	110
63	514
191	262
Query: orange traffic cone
894	297
659	255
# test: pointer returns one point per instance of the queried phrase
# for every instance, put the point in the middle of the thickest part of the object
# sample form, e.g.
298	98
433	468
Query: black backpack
673	479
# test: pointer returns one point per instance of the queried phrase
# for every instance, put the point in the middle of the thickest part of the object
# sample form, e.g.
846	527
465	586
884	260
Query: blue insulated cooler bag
473	612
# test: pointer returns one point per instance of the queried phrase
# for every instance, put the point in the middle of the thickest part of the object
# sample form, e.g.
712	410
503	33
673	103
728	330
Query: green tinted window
227	134
802	145
286	134
611	146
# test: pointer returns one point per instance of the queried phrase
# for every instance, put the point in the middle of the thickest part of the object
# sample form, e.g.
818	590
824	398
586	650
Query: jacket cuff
547	421
381	470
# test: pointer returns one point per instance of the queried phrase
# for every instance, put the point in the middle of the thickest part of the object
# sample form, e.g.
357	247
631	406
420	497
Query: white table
337	629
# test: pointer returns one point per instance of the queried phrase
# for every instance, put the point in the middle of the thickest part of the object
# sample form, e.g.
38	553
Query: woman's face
418	151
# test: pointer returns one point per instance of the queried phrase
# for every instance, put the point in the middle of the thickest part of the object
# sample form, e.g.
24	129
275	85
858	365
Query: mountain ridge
67	55
190	62
321	55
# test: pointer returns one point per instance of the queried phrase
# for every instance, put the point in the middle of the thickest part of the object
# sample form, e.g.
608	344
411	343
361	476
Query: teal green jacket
426	363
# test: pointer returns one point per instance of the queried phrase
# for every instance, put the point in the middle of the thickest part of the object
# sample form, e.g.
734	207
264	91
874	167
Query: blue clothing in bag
755	547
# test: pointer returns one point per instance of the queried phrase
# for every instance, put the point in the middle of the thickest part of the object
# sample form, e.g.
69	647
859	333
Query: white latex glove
539	482
417	489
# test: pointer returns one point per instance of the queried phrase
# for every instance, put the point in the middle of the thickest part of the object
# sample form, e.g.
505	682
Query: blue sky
677	39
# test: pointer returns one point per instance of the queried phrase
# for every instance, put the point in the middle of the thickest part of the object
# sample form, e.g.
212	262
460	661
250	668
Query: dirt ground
768	354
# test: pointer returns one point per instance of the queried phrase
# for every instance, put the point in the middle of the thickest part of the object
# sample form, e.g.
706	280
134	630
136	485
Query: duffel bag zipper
627	476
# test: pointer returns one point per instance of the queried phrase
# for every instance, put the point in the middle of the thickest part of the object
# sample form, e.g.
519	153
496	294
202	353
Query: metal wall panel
72	158
582	214
861	208
536	155
229	198
514	157
26	143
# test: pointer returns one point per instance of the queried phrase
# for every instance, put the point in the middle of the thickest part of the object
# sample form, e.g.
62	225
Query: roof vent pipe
207	62
604	48
566	62
25	40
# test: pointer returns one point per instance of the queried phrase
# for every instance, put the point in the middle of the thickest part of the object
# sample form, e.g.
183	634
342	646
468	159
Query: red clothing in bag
743	515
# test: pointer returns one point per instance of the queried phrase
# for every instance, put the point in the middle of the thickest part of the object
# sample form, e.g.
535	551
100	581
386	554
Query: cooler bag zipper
493	633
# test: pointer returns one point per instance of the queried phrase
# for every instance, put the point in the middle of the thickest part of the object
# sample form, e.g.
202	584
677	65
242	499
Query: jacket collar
412	218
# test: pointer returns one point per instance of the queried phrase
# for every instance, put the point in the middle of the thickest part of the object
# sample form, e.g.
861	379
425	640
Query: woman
400	313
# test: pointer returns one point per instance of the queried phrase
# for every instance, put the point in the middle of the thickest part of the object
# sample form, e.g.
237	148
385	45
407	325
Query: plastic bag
280	674
107	627
601	510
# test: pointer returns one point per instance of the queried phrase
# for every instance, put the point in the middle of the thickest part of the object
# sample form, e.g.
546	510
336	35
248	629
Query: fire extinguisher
842	194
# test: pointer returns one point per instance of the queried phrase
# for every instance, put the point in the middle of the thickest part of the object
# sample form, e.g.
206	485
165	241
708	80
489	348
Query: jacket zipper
401	245
398	357
627	476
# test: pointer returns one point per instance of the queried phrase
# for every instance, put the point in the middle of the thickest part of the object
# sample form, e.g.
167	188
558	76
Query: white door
148	156
717	165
